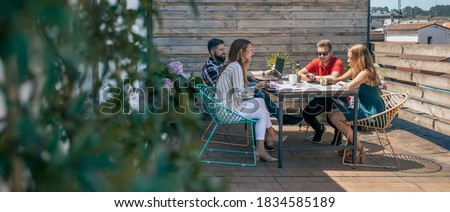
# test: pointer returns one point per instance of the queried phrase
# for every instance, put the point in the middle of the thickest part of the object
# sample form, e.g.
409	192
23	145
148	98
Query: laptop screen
279	65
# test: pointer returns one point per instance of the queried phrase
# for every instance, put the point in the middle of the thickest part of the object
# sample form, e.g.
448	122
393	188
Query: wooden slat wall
417	78
271	25
421	71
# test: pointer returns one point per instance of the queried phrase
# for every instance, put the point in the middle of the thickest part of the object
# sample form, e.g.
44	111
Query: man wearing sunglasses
324	65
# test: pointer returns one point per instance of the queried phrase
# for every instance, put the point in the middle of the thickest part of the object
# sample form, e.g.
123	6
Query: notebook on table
279	65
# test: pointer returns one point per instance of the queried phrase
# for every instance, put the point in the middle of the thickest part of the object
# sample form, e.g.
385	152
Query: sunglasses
322	54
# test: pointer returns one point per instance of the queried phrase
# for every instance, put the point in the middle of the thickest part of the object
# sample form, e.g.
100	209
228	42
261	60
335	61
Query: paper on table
305	86
279	86
336	87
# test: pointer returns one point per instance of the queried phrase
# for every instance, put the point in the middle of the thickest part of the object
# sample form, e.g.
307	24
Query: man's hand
311	77
326	81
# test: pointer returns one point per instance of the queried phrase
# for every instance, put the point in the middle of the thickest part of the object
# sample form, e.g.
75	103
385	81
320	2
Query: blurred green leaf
59	138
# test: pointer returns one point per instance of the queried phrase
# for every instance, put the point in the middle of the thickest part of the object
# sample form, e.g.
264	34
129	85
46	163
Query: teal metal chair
223	116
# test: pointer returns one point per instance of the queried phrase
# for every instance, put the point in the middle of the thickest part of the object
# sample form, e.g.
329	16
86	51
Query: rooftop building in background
422	33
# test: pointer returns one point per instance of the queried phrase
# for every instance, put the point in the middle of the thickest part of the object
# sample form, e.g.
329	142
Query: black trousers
319	105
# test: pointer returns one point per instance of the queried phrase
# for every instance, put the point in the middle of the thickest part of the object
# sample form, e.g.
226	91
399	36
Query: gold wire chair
379	122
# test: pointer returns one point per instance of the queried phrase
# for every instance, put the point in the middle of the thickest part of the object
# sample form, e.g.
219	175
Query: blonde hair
362	60
236	54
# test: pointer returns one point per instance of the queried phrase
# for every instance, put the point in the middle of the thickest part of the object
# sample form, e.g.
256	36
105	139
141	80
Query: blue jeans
251	84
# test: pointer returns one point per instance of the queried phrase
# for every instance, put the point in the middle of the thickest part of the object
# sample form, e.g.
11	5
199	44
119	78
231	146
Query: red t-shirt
335	64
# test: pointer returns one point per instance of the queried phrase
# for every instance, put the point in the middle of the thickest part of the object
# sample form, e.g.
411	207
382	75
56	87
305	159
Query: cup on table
292	79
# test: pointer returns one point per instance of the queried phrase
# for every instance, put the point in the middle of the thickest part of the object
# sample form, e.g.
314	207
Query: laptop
279	65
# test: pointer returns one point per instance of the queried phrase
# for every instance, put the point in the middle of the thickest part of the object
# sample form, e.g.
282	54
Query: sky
423	4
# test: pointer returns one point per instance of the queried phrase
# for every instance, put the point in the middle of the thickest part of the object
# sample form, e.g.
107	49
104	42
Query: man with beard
210	71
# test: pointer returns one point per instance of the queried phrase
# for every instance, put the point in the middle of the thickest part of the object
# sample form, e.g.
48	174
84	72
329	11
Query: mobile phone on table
311	77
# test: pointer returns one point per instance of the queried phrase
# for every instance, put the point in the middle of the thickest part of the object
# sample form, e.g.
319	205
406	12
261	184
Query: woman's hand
267	73
271	72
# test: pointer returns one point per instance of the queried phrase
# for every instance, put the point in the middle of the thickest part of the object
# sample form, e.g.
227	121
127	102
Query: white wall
440	35
402	37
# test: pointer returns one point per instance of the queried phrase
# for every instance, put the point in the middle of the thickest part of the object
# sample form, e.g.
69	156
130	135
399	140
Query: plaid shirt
210	71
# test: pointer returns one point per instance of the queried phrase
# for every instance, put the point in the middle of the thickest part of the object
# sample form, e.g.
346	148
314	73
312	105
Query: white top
230	88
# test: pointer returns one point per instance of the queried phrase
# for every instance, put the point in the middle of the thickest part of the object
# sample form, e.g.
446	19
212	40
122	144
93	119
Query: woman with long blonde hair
364	78
233	93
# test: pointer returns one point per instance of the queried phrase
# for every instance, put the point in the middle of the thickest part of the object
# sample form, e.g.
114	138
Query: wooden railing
423	72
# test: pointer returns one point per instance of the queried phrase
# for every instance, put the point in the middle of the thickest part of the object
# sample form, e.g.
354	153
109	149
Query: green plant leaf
73	134
271	60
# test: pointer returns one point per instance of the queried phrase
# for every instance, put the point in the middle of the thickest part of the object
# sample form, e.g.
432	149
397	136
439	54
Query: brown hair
236	54
363	61
324	43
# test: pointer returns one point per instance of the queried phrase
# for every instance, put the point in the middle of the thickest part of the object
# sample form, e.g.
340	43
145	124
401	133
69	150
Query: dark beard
221	58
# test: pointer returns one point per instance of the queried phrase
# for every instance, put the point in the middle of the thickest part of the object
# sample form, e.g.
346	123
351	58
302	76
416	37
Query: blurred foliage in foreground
53	137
